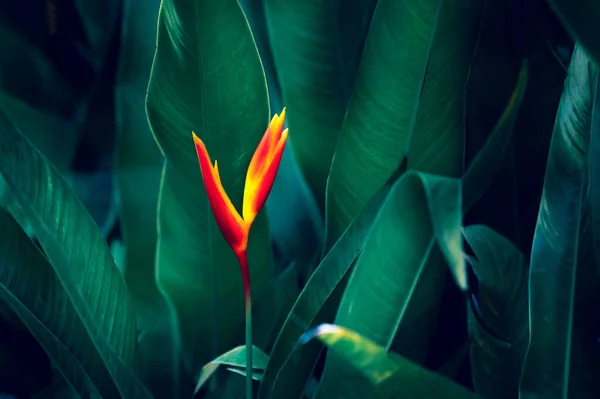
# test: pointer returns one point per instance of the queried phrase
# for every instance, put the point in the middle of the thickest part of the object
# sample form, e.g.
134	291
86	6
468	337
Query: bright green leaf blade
580	17
498	313
395	291
206	77
29	287
488	161
285	378
383	109
555	260
235	357
38	197
437	145
390	375
312	72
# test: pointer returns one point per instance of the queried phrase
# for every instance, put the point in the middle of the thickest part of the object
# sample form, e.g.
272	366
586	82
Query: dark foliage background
63	84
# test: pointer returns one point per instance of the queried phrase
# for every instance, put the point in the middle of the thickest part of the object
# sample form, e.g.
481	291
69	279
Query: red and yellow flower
259	180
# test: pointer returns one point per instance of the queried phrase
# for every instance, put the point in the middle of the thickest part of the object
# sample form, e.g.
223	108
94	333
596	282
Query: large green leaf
138	163
437	144
138	168
383	109
206	77
271	310
315	79
286	376
395	290
388	374
39	198
580	17
29	286
559	256
295	222
498	313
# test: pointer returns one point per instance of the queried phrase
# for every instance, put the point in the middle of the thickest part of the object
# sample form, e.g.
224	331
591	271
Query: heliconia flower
259	180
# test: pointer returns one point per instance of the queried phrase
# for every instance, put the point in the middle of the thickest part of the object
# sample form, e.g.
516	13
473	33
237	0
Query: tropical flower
235	228
259	180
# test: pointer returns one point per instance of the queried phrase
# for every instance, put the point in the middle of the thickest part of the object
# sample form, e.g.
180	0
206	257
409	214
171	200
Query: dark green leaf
100	20
308	55
498	313
271	310
43	129
138	164
437	144
558	253
30	287
383	109
396	287
206	77
486	164
580	17
284	376
138	169
38	197
390	375
235	357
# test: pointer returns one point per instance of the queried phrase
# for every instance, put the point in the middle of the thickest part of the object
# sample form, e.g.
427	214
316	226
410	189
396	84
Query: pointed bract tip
318	331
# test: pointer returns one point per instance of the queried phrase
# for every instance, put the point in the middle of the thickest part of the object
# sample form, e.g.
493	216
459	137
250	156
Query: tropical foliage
432	223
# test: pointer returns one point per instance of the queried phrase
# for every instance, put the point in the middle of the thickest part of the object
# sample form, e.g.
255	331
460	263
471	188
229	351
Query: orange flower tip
284	135
197	140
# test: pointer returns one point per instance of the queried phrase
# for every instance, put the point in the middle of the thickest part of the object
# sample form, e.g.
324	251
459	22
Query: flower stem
243	259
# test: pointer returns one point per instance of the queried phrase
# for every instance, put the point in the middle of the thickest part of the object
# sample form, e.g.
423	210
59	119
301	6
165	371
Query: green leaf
395	291
236	358
286	376
390	375
488	161
38	197
452	365
271	310
30	287
498	313
383	109
580	17
256	375
207	78
138	163
43	128
312	71
559	255
510	201
437	145
137	172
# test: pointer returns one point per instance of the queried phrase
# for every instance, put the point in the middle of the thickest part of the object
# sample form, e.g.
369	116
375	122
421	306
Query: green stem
248	347
243	259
